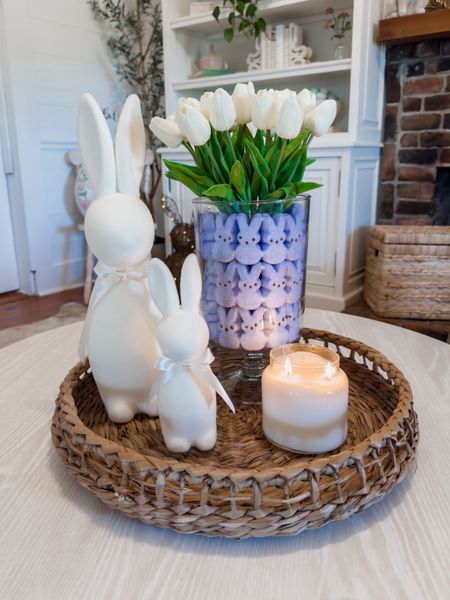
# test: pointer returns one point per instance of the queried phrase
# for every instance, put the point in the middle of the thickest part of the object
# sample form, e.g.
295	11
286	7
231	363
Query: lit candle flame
287	366
330	371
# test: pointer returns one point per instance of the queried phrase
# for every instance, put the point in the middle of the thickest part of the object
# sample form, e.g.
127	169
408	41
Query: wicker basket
244	487
408	271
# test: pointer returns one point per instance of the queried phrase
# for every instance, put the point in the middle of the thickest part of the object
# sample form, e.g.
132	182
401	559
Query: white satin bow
169	368
107	279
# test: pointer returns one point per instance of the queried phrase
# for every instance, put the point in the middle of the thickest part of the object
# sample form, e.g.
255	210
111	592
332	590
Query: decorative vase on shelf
339	51
253	265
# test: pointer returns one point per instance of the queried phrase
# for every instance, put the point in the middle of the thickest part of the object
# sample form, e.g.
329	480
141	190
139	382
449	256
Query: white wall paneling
52	52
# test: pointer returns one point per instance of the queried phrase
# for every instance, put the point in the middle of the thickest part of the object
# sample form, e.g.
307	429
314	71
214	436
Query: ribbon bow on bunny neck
169	368
107	279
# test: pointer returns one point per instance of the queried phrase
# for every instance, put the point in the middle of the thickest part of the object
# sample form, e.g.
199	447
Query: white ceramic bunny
119	331
187	386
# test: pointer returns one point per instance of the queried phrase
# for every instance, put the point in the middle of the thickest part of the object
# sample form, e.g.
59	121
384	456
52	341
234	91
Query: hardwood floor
20	309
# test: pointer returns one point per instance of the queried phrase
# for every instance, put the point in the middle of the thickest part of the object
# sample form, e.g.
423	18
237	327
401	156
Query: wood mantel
415	28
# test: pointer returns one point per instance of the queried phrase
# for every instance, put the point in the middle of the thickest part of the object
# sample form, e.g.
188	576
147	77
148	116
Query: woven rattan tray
244	487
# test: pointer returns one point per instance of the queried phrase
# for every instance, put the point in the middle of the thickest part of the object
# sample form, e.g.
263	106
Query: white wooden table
57	541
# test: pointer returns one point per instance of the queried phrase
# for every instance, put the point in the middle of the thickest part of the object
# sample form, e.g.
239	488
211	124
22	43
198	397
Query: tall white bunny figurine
119	331
187	386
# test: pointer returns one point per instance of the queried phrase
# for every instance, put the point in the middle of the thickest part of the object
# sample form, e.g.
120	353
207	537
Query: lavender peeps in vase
274	284
248	250
249	295
273	238
223	248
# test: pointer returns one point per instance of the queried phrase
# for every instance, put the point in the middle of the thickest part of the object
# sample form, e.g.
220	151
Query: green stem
304	145
280	156
189	148
219	175
232	146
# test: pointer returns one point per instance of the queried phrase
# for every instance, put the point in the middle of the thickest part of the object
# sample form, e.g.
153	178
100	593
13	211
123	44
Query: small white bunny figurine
119	331
186	386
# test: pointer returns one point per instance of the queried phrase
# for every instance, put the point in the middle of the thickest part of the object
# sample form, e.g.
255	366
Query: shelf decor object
279	47
339	25
304	399
244	487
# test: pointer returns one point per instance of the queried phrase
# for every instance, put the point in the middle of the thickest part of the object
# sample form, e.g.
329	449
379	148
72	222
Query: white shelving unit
346	161
267	76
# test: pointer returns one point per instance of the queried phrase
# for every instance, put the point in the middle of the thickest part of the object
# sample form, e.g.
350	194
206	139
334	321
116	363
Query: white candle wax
305	399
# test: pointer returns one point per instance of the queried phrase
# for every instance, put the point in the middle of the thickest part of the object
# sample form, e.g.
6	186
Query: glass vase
253	261
339	51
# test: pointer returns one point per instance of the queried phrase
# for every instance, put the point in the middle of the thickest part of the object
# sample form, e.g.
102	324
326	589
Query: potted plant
339	24
251	216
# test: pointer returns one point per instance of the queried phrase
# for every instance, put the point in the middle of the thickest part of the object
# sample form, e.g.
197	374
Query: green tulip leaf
238	180
306	186
222	190
257	160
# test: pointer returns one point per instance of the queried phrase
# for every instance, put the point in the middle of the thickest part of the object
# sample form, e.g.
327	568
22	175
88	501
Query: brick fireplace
415	162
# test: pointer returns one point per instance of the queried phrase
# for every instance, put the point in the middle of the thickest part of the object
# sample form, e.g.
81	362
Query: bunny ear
191	284
255	222
162	287
130	147
96	147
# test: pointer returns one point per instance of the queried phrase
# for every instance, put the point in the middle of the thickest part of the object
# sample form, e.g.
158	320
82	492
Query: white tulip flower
319	119
167	131
205	103
307	100
193	125
290	119
241	99
222	114
280	96
191	101
263	109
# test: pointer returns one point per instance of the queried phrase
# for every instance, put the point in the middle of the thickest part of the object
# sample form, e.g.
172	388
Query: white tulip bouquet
246	146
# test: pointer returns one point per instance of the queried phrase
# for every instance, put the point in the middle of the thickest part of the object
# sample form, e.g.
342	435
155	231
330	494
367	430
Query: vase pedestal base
240	373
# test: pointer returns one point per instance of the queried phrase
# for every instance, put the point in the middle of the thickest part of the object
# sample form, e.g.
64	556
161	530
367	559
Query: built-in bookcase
346	160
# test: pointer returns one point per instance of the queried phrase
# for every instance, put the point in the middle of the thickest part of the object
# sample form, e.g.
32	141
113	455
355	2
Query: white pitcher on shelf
119	331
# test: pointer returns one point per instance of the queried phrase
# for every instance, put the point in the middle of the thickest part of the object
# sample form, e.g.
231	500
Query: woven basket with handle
244	487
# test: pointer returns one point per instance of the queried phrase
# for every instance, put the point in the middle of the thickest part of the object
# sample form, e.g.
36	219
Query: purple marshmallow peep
253	337
249	283
292	320
224	246
248	250
209	286
273	284
294	282
294	239
226	284
273	238
276	327
207	229
229	329
211	314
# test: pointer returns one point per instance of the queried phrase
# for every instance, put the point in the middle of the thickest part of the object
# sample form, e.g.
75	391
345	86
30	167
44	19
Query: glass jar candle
305	399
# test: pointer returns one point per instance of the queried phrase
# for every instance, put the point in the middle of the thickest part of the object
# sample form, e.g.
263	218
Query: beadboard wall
52	52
